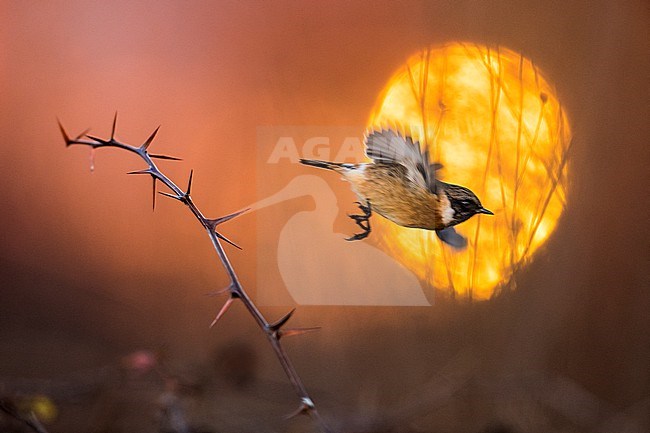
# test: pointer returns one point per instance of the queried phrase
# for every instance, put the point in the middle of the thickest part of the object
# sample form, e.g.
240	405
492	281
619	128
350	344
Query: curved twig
273	331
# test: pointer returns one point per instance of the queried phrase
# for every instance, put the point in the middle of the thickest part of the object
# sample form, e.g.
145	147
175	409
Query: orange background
89	273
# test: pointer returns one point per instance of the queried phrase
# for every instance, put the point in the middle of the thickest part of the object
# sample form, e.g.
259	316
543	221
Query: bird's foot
365	208
358	236
362	221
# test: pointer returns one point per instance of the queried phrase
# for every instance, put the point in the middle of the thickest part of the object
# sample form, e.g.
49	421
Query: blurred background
103	314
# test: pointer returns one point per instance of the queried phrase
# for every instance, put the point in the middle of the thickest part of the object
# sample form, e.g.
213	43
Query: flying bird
400	184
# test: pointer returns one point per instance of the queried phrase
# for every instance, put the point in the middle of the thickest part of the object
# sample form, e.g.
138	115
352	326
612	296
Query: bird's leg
362	221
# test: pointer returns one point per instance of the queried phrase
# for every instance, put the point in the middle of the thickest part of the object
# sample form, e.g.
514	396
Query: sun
497	126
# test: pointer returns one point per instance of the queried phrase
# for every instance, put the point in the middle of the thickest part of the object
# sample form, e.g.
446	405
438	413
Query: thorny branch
273	331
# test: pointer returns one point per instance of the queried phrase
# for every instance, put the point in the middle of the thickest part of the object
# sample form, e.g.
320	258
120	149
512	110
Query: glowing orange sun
490	117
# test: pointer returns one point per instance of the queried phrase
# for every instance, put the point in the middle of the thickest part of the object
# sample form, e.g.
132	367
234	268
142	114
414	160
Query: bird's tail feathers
336	166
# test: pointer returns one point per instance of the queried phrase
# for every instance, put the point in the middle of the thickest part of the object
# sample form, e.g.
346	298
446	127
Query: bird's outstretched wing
451	237
388	147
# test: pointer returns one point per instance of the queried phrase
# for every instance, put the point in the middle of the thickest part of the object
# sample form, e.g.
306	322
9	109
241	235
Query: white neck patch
446	211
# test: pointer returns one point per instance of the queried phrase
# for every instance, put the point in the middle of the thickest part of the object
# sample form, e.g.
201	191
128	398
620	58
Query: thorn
146	144
145	171
223	238
223	310
98	140
65	136
291	332
213	223
113	128
301	410
306	405
174	196
85	132
189	183
153	176
220	291
171	158
277	325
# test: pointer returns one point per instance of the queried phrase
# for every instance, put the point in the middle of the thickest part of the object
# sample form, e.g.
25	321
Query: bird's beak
485	211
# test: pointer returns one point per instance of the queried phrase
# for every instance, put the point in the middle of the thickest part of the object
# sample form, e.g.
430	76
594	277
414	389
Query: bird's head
464	203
